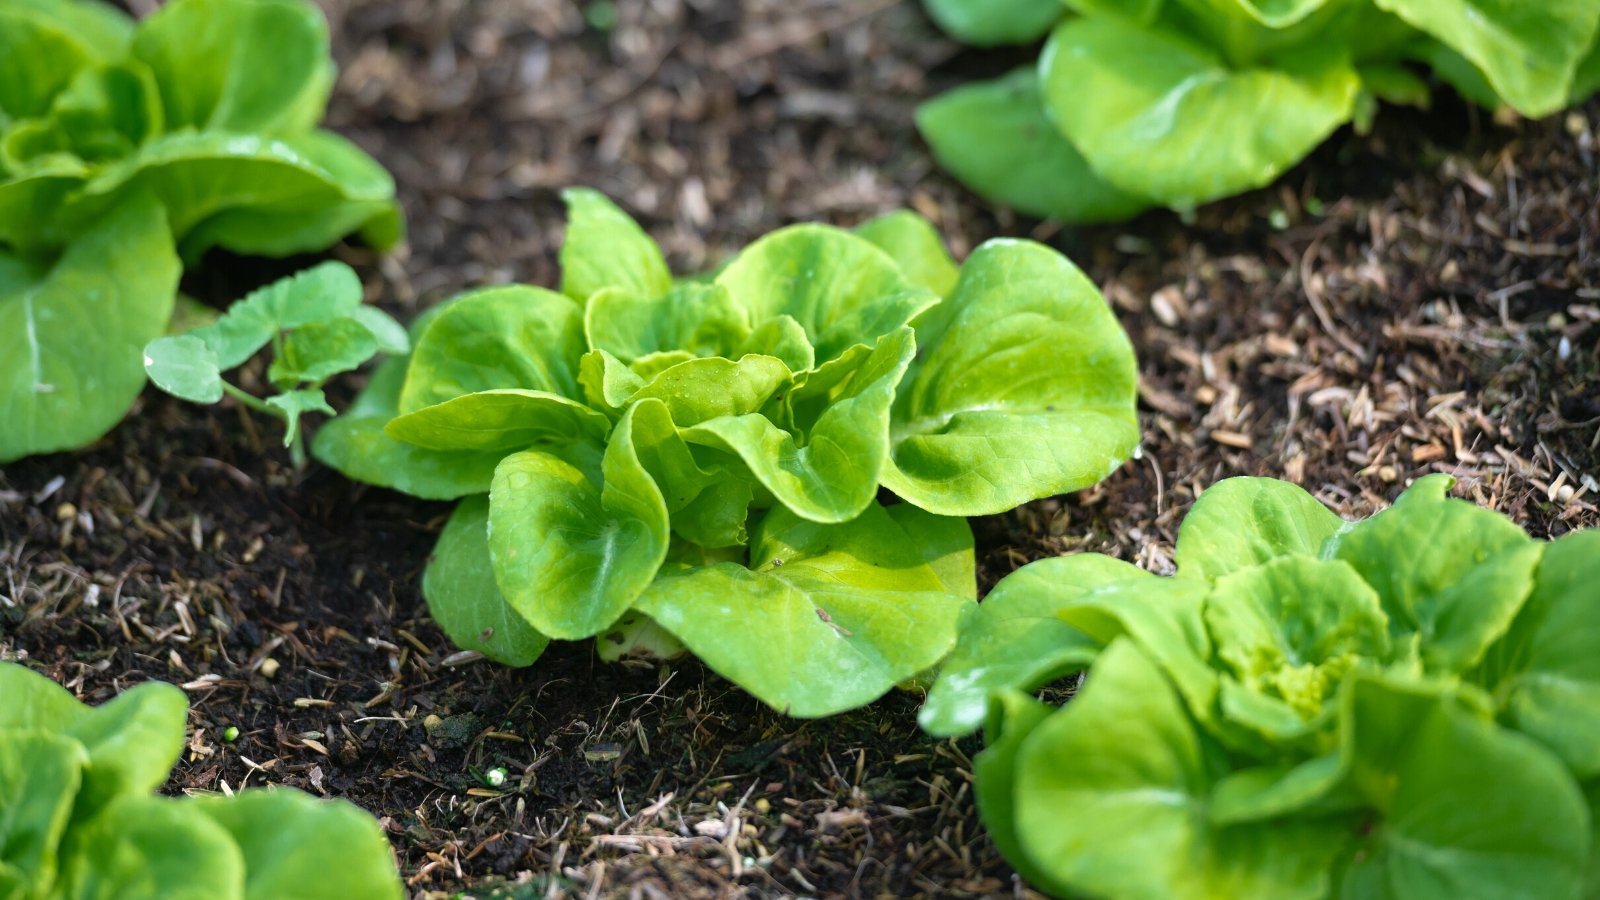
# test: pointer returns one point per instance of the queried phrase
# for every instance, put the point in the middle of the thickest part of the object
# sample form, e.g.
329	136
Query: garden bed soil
1422	299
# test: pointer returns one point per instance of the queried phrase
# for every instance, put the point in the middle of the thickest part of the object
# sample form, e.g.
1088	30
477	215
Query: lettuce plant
128	150
1404	706
78	820
1178	102
670	463
317	327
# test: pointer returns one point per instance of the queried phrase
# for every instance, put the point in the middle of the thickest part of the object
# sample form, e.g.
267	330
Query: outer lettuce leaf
151	848
1469	810
915	246
988	23
1127	761
604	248
1529	52
996	137
71	335
1238	523
39	776
356	444
1185	127
1448	572
1545	673
573	547
497	338
844	612
1017	641
463	597
294	845
1024	387
236	191
1012	717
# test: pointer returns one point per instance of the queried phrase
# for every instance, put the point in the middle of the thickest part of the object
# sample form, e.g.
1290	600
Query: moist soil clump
1422	299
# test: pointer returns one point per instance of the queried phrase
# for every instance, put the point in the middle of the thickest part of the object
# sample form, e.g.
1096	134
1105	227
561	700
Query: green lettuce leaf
463	597
151	848
72	334
574	545
1528	52
1186	127
996	138
1011	718
605	248
988	23
1023	387
39	777
843	612
1016	640
1468	809
1136	774
294	845
1544	672
1238	523
1450	574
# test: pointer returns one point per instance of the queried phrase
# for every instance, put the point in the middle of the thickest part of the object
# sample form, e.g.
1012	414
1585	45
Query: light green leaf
572	551
295	845
322	293
236	191
1528	51
208	57
295	403
184	366
342	191
915	246
499	420
1316	786
389	335
1016	641
1128	762
831	473
946	546
1469	810
637	636
1238	523
1449	570
605	248
995	137
504	337
988	23
1185	128
72	337
827	617
105	112
357	446
784	338
841	288
151	848
1287	632
708	495
313	353
39	777
1587	79
1024	387
1545	673
44	44
700	389
1012	716
701	319
463	597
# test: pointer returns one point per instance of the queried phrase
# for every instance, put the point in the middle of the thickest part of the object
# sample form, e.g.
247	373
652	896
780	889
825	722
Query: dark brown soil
1426	298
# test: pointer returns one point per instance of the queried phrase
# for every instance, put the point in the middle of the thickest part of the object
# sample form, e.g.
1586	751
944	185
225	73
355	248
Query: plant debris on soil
1422	299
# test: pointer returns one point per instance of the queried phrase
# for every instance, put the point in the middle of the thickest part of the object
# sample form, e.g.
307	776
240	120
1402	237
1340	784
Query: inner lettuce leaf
654	437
